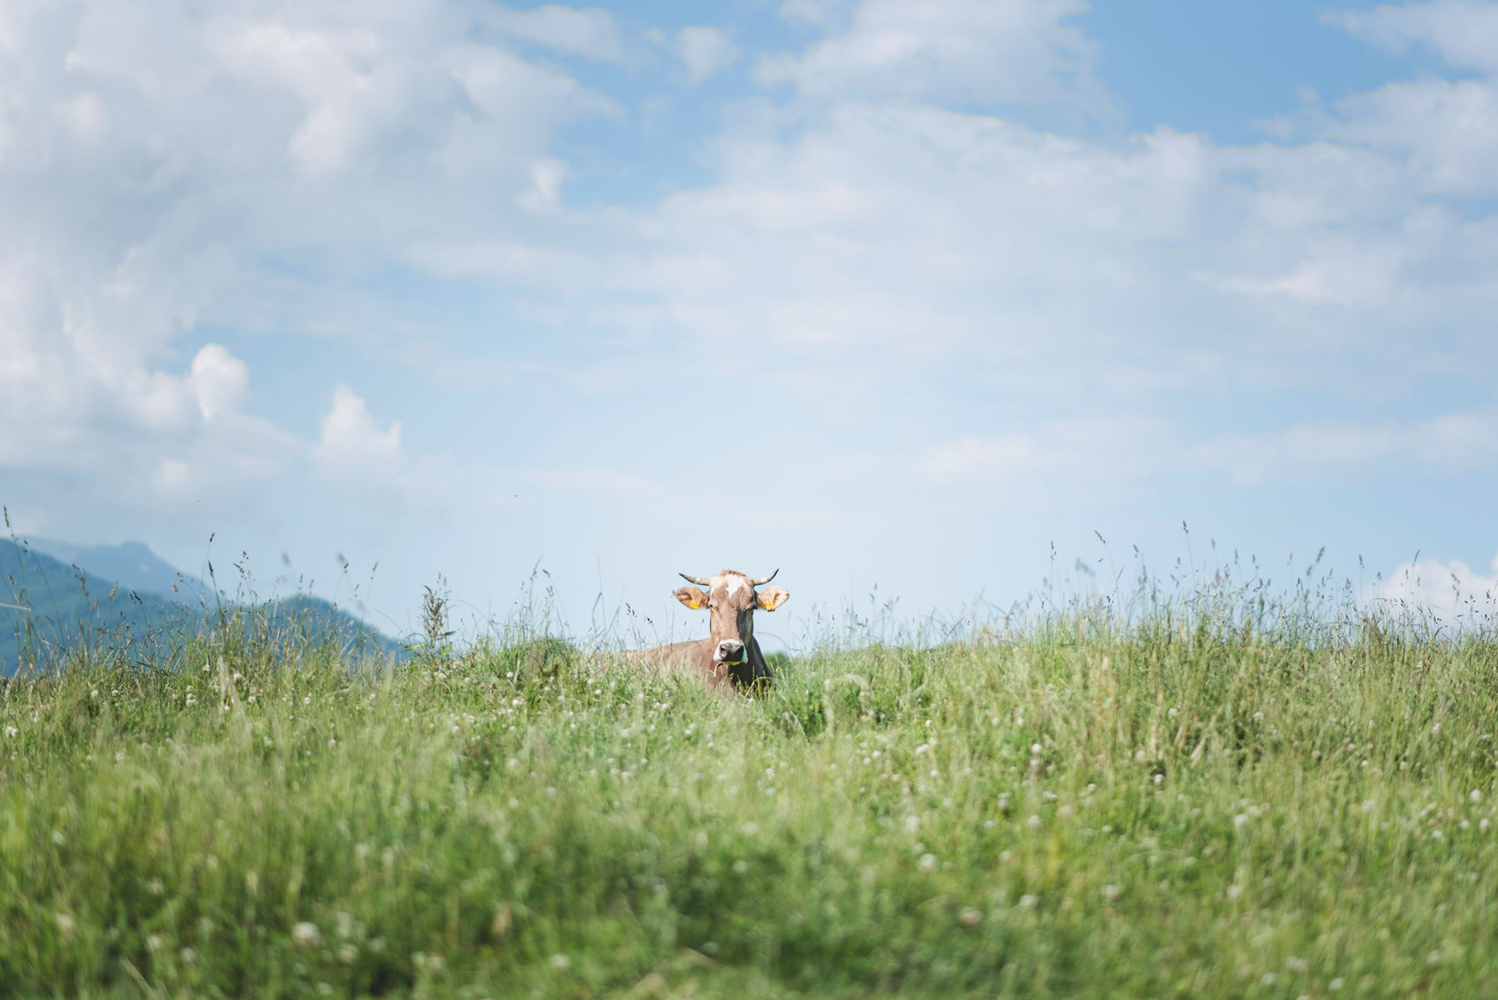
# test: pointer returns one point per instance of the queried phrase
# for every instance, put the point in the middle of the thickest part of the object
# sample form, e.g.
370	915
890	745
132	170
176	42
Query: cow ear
692	597
772	597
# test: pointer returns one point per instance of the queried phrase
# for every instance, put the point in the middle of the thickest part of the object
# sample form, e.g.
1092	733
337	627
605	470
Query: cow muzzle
731	651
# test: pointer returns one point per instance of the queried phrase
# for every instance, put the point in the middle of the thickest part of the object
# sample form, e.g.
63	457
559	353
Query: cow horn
764	579
697	580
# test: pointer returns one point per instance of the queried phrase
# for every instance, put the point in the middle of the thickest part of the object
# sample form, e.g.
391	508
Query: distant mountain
129	565
49	606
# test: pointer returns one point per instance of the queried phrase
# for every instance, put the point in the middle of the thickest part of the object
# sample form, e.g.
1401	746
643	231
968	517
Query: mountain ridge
50	607
130	564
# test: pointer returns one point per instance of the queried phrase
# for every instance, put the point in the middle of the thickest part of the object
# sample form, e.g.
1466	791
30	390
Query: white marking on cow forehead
734	582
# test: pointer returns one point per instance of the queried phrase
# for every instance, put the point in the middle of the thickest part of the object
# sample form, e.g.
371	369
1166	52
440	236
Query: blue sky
882	293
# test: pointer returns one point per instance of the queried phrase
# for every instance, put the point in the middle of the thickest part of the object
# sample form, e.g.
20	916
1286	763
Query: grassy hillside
1178	811
49	608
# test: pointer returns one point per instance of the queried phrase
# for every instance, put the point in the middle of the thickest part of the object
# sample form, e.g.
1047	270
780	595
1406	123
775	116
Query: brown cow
730	655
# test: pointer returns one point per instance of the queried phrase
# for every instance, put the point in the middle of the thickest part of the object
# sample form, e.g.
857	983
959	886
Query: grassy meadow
1181	808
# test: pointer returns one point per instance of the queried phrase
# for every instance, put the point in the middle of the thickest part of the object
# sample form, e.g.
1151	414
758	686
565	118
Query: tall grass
1202	796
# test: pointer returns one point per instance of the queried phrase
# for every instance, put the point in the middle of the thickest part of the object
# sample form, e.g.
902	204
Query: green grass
1077	812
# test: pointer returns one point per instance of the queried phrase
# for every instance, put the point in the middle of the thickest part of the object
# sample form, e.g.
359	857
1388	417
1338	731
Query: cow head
731	600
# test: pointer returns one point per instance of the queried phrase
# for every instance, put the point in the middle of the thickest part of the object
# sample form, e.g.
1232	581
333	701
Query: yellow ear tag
694	605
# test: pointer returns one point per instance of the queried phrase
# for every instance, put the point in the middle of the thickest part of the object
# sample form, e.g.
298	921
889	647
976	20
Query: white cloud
1462	32
351	439
169	168
343	86
1349	276
1453	441
1446	591
1093	448
812	11
706	51
999	52
1124	449
916	230
874	242
82	405
220	381
226	461
1448	130
545	194
591	33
